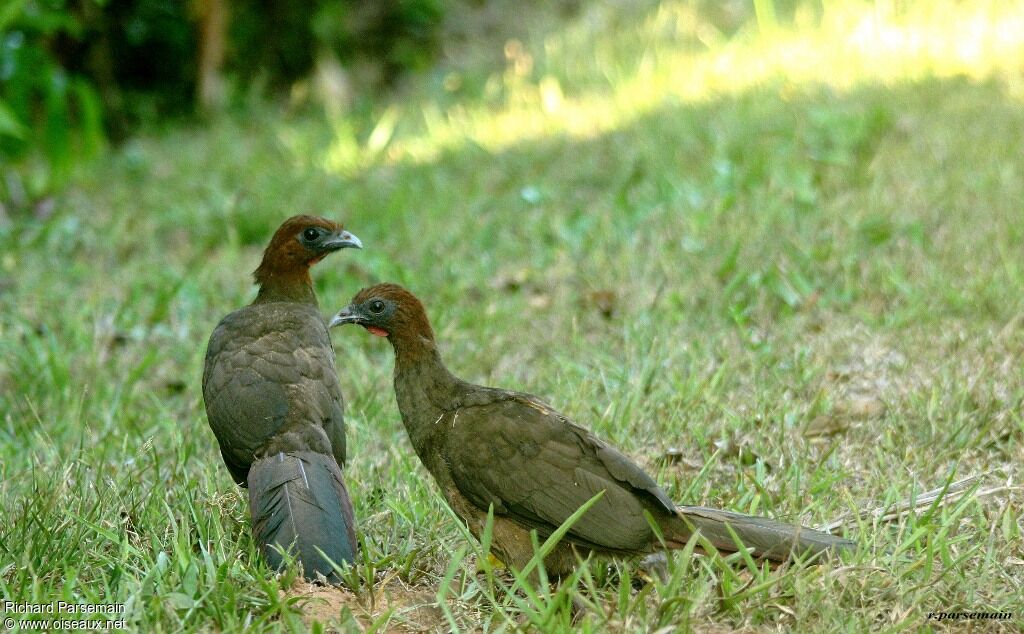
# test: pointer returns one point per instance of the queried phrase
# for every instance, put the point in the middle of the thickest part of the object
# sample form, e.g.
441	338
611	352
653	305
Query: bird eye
310	234
376	306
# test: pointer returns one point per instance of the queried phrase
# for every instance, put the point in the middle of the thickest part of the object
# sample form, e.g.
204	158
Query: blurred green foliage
379	40
75	73
50	116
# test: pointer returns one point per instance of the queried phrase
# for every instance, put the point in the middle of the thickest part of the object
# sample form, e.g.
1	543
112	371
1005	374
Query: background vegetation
76	73
772	252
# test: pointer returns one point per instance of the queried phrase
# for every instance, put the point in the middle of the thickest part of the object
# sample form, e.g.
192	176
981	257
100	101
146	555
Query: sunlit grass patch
611	66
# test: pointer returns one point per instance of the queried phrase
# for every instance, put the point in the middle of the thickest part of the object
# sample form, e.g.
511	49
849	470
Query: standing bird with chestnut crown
488	447
273	401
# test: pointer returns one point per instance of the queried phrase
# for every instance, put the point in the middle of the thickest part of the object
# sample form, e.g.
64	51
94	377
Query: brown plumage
487	446
273	401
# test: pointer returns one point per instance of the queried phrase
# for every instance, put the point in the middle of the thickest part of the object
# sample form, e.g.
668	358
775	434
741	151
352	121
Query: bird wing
267	364
334	423
536	466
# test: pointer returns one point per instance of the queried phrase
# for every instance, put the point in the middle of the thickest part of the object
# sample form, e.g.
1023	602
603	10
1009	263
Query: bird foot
493	562
655	565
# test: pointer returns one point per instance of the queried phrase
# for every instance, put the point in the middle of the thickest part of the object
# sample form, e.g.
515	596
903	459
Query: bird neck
424	388
286	286
417	353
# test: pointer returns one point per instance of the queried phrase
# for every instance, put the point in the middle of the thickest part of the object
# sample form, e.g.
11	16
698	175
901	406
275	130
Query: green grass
788	285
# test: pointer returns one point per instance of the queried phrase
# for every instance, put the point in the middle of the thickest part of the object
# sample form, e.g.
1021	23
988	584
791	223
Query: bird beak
345	316
343	240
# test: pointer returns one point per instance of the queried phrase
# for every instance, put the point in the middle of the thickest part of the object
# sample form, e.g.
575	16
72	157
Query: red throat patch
380	332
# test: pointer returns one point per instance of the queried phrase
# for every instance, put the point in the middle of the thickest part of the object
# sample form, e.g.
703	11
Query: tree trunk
213	29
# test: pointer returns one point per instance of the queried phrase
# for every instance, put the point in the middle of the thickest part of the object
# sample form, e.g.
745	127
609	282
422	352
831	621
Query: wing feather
267	364
534	465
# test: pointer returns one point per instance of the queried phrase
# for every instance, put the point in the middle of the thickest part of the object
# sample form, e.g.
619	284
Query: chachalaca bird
273	401
487	446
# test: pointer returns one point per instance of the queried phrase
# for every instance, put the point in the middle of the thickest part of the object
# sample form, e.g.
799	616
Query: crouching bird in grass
274	403
487	446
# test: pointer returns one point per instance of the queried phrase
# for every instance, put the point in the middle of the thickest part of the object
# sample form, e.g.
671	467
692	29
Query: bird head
386	310
299	243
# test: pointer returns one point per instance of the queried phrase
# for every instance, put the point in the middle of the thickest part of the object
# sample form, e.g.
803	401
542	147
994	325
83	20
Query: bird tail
299	503
767	538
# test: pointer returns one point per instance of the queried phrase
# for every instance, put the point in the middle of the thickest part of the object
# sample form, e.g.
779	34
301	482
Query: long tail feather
299	503
766	537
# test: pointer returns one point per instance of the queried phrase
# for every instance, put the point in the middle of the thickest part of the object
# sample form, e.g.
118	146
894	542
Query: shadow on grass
777	200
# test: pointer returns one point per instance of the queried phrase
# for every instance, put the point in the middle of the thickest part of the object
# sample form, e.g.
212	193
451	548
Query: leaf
9	13
58	128
90	111
180	601
9	123
826	425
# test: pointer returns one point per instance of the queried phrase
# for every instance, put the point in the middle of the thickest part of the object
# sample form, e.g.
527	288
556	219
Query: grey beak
344	240
344	316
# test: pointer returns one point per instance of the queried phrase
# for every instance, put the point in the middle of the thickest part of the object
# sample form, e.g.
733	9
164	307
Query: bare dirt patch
411	609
